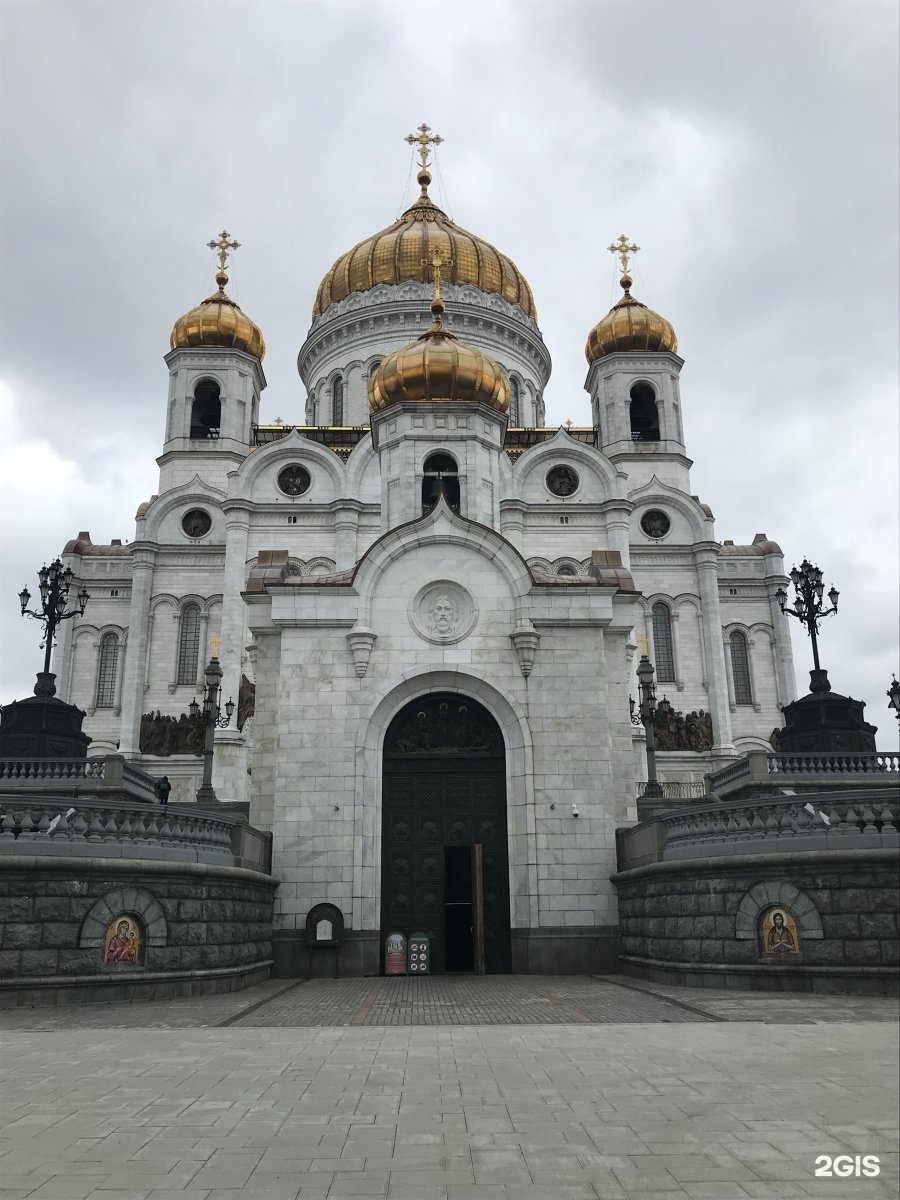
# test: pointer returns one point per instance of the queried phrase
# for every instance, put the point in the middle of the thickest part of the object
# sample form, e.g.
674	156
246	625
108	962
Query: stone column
782	649
346	527
143	559
618	533
705	557
229	767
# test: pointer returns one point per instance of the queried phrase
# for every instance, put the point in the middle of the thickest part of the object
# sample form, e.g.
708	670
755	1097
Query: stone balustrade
668	790
83	827
865	819
78	776
760	770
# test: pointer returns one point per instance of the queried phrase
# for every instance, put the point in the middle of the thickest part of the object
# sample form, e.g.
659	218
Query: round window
196	523
294	480
562	481
655	523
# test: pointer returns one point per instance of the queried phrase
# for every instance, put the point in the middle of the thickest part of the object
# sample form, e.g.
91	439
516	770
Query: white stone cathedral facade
437	600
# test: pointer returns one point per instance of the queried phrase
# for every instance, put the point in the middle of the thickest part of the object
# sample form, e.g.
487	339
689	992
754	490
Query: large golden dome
218	321
438	367
630	325
398	253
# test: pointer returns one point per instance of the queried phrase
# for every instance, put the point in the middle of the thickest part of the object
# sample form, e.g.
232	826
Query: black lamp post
54	583
212	720
809	608
643	714
893	695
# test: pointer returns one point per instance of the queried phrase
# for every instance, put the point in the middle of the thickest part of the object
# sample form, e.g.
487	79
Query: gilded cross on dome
425	140
223	246
437	261
624	251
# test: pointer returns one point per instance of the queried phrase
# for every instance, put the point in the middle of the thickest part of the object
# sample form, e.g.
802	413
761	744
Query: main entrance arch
445	858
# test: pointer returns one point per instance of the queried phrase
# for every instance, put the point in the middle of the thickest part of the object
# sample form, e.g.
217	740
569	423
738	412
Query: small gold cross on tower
223	246
216	642
624	251
437	261
425	140
641	640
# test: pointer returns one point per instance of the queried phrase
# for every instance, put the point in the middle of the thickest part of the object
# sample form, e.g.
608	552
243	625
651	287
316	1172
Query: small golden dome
218	321
630	325
438	367
398	253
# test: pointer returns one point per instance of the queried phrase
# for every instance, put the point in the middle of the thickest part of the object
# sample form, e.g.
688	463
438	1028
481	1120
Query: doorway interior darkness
443	795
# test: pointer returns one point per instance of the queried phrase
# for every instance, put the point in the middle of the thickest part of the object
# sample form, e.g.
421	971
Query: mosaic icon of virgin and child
122	941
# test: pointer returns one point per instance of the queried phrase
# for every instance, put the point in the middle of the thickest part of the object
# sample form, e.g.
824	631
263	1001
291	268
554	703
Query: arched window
515	404
206	411
106	671
662	643
337	401
643	413
188	644
440	475
740	668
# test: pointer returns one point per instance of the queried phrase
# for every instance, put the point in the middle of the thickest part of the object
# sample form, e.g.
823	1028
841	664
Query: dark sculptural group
675	731
164	735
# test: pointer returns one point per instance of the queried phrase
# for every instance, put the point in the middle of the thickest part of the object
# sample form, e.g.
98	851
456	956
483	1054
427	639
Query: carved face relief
443	612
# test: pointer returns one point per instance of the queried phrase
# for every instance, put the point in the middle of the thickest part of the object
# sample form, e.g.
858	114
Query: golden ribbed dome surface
630	325
399	253
438	367
218	321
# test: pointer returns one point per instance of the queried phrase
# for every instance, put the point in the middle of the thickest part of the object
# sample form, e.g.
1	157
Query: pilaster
143	561
705	557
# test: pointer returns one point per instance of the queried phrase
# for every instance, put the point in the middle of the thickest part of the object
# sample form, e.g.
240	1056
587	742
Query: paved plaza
450	1089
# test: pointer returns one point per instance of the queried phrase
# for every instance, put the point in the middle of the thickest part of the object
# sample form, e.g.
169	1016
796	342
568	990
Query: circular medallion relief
562	481
196	522
443	612
294	480
655	523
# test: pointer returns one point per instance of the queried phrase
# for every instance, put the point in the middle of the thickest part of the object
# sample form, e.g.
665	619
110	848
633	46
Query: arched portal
445	858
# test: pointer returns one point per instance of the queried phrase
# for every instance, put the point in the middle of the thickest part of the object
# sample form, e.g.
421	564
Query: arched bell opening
643	414
206	410
440	476
445	855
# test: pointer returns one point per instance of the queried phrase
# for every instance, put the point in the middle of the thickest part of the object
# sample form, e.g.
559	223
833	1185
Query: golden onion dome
630	325
398	253
218	321
438	367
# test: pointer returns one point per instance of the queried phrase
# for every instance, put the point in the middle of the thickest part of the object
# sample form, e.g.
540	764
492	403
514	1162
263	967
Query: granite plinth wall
695	921
206	928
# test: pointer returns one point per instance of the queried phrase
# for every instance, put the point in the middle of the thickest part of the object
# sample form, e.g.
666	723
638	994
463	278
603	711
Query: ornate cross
624	251
223	246
437	261
216	642
425	140
641	640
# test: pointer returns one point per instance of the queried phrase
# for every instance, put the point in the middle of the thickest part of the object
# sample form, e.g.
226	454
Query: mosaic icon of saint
780	940
121	946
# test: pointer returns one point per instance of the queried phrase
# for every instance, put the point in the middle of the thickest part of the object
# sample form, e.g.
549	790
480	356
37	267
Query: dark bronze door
444	791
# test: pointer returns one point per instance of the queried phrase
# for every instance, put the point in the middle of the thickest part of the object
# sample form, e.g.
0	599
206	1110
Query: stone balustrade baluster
8	828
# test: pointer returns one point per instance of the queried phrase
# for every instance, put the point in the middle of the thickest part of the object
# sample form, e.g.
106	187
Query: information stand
395	954
419	956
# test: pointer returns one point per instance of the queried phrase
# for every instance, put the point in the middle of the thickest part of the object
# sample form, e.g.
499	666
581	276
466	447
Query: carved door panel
444	786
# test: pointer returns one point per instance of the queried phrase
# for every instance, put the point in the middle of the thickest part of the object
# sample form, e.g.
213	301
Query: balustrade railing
112	773
759	769
668	790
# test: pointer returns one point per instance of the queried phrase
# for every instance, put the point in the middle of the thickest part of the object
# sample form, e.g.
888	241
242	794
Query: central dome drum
399	253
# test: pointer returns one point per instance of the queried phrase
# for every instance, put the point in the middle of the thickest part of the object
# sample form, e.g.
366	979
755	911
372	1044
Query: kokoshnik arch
416	537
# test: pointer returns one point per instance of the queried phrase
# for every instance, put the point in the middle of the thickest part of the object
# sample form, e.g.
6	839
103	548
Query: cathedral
428	607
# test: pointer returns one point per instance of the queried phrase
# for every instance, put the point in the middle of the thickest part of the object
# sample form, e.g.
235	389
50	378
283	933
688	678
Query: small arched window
106	671
740	668
515	404
643	414
662	643
206	411
188	644
440	476
337	401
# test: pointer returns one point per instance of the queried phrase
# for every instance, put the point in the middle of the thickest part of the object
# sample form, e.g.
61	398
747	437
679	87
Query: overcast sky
749	148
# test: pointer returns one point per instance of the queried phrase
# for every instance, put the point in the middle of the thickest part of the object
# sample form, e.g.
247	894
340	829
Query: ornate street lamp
893	695
643	714
212	720
809	609
54	583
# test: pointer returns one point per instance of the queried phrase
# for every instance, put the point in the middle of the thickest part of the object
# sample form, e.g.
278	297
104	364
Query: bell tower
633	382
215	381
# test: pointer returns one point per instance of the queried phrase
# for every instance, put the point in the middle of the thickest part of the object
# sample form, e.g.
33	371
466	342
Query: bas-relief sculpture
443	612
675	731
163	735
